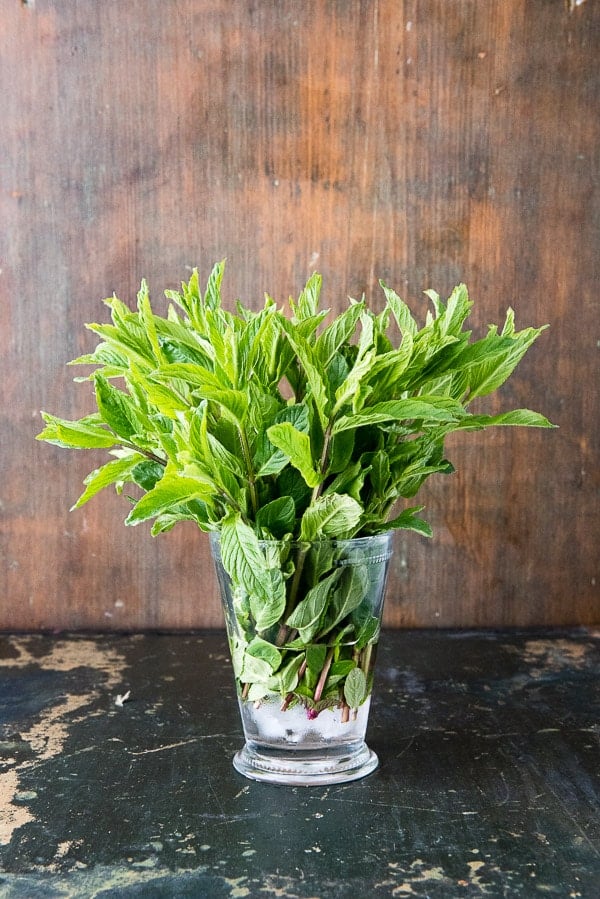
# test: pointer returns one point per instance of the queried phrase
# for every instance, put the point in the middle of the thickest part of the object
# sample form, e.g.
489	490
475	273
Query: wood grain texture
423	142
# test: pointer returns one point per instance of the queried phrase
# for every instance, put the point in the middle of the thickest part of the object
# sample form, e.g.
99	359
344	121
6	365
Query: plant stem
290	696
366	658
323	460
323	676
147	453
249	470
291	600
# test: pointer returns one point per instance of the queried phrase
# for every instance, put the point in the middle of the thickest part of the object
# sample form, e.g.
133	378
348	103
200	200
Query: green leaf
348	595
127	336
196	376
269	460
212	294
331	515
87	433
112	473
296	445
116	408
490	361
286	680
337	334
146	474
308	301
355	688
367	626
353	388
312	370
104	354
400	311
170	491
387	372
166	398
338	671
306	617
278	516
407	520
247	567
147	319
315	659
517	417
340	452
434	409
380	473
350	481
207	385
261	649
254	669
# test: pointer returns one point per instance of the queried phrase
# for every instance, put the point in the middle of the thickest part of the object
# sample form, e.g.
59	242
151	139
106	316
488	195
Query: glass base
304	768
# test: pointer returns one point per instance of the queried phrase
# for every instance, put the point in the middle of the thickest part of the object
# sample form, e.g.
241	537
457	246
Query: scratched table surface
488	784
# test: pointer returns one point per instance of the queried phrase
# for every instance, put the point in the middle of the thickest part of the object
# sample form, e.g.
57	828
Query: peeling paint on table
116	776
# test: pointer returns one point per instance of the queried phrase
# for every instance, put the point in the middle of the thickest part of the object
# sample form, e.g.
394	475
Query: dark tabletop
488	785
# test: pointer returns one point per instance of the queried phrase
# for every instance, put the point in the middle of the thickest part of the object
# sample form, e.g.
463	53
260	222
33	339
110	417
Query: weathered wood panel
422	141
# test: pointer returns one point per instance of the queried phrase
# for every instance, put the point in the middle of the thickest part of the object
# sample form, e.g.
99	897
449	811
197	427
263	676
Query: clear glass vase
304	681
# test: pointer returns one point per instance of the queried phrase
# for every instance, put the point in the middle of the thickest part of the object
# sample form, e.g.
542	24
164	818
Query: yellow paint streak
11	815
46	737
555	655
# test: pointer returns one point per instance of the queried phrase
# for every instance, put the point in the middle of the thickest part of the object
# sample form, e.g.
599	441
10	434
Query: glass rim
215	536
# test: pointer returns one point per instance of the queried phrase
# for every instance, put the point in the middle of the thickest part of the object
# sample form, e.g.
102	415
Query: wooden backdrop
421	141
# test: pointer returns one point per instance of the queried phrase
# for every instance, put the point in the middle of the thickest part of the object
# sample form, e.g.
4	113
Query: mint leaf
277	517
247	567
261	649
347	597
286	680
116	408
315	659
337	334
331	515
307	615
338	671
254	670
296	446
355	688
519	417
434	409
489	362
147	473
87	433
113	472
312	369
400	311
171	491
268	459
408	520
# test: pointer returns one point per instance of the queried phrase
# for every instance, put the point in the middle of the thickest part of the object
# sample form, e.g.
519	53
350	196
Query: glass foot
304	768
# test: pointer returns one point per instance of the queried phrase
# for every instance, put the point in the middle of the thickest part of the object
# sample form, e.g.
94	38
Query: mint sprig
262	426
